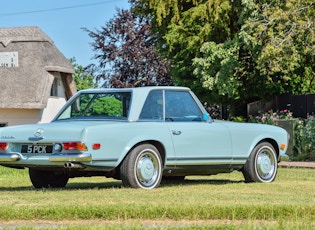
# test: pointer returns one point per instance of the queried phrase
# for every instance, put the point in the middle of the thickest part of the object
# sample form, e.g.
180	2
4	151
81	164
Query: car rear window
114	105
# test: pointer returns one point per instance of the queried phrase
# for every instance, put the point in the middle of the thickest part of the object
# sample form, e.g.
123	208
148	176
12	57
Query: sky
62	21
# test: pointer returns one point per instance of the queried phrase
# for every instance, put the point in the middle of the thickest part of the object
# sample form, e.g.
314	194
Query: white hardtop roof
144	89
139	96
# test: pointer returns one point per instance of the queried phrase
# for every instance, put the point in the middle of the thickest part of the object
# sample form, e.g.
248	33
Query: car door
196	142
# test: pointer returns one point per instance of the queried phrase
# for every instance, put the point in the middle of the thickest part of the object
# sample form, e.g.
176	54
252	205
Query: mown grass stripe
179	212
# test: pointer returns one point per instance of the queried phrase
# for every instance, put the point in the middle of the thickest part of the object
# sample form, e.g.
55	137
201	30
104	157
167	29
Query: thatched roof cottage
36	78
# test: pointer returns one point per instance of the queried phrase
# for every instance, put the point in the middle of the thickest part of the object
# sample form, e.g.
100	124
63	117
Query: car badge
8	137
38	132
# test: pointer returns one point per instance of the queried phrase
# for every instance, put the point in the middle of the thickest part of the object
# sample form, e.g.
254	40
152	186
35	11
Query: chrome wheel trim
266	164
148	168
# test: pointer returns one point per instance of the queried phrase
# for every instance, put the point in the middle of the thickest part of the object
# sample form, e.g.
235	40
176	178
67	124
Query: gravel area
297	164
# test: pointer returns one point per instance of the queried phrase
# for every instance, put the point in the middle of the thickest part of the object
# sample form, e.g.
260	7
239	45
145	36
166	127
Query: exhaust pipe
73	165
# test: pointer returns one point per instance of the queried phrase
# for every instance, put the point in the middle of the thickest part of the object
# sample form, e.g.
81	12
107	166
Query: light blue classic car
140	136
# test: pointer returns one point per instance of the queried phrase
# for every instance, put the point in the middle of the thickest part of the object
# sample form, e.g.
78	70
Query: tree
236	52
273	53
126	53
182	27
284	34
82	78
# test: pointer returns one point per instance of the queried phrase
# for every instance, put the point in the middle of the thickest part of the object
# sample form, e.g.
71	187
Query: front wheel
142	168
262	164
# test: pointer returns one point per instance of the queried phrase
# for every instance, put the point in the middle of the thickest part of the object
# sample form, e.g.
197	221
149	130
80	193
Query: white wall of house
10	117
54	104
55	101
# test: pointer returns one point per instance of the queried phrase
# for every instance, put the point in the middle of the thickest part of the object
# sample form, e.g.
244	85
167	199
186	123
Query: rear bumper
60	157
9	157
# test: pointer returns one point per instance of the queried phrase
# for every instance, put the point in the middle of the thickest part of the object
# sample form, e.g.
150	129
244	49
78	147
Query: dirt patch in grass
297	164
165	223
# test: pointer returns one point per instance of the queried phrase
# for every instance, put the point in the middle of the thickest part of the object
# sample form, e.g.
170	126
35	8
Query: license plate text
36	149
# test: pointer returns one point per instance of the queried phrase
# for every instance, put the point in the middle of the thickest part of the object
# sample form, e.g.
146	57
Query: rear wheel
48	179
142	168
262	164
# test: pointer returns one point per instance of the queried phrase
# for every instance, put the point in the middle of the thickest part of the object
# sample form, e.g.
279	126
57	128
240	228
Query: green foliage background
236	52
83	79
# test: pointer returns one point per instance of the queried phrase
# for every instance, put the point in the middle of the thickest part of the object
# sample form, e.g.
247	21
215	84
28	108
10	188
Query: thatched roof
28	84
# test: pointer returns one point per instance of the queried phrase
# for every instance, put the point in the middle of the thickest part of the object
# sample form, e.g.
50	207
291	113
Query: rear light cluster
3	145
74	146
70	146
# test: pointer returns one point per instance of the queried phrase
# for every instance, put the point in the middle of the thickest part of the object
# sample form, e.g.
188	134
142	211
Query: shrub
303	132
270	117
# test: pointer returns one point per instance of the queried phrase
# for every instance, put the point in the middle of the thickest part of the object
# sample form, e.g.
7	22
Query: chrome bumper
55	157
9	157
62	157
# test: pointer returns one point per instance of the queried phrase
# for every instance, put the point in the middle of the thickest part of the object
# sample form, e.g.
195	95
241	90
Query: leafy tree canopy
183	27
82	78
126	53
273	53
283	33
237	51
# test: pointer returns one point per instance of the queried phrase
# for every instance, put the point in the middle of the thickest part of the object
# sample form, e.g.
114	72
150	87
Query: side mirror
206	117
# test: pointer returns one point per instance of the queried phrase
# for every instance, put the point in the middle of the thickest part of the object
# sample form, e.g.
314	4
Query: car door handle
176	132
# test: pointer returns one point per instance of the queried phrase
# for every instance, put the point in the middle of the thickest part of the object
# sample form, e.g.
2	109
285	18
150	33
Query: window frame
163	96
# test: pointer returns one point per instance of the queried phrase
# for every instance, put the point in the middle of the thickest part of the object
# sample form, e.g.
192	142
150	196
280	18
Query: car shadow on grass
16	189
189	182
69	186
164	183
118	184
91	185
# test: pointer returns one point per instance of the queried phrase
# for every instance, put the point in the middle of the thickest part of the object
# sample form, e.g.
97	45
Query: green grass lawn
211	202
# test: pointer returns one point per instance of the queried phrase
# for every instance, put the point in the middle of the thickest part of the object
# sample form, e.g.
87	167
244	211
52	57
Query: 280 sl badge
8	137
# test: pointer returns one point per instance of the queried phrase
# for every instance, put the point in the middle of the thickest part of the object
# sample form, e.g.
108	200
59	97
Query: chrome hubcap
266	164
148	167
145	169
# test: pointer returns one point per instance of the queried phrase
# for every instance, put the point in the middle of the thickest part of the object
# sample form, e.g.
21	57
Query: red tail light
96	146
3	145
74	146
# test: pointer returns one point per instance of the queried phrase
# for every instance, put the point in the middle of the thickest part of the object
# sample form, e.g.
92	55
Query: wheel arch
265	169
273	143
143	166
160	147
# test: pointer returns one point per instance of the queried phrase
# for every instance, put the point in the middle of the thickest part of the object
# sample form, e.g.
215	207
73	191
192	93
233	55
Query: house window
54	88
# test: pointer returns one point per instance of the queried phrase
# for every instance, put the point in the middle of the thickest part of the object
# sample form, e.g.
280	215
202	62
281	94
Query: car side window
180	106
153	106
